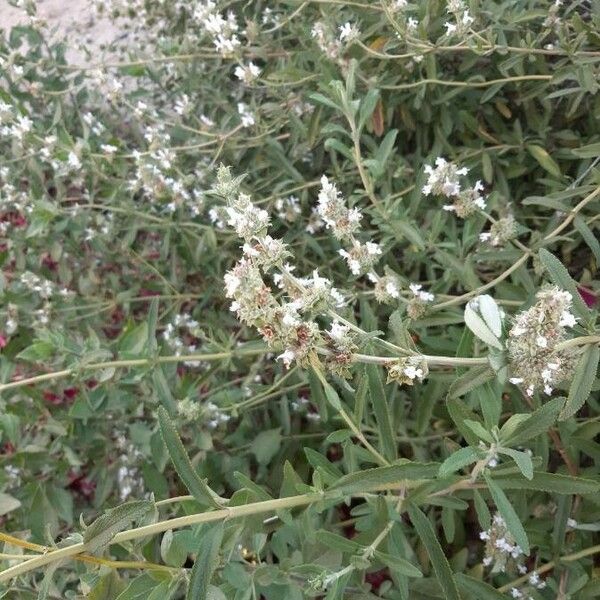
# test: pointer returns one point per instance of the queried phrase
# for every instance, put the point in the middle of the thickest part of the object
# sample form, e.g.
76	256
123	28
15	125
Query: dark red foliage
376	578
588	296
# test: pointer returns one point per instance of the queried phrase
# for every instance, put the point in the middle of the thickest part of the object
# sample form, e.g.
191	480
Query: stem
549	566
135	362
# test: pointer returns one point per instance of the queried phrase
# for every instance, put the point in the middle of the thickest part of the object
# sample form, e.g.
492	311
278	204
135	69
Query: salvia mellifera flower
532	342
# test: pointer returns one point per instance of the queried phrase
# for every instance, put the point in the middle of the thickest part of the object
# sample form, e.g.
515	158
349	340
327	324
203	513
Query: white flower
348	32
450	27
287	358
567	320
412	24
246	116
247	73
108	148
416	289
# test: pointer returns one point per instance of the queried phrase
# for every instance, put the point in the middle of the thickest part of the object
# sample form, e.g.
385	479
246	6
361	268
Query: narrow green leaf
206	562
477	588
522	459
338	542
398	564
106	526
588	151
533	425
460	412
360	398
553	483
508	513
544	159
162	389
318	461
321	99
367	106
197	487
470	380
457	460
583	379
368	479
591	239
439	562
479	430
382	412
560	276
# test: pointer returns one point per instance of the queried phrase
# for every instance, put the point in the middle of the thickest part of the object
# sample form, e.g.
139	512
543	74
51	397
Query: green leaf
8	503
338	542
134	340
473	378
367	106
544	159
457	460
140	588
460	412
162	389
477	588
479	430
38	351
398	564
382	412
206	562
553	483
151	343
197	487
583	379
99	534
560	276
508	513
321	99
589	237
439	562
369	479
522	459
330	472
266	445
360	397
588	151
480	328
532	425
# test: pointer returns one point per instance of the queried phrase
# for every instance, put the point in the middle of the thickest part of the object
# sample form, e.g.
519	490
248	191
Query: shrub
300	300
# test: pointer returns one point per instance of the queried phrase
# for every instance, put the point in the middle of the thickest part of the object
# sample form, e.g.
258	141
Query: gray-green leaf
197	487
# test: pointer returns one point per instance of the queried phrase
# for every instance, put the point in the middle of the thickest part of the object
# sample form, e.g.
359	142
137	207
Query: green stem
134	362
549	566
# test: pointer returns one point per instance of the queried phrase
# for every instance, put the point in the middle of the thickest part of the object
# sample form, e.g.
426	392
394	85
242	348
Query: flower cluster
501	231
223	31
406	371
417	305
285	321
444	180
501	548
462	19
181	335
247	73
344	222
532	342
534	581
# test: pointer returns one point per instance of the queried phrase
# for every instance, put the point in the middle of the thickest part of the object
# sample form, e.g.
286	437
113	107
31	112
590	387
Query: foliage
300	300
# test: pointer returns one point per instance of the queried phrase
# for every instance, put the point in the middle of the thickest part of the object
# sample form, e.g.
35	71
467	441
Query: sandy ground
73	19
